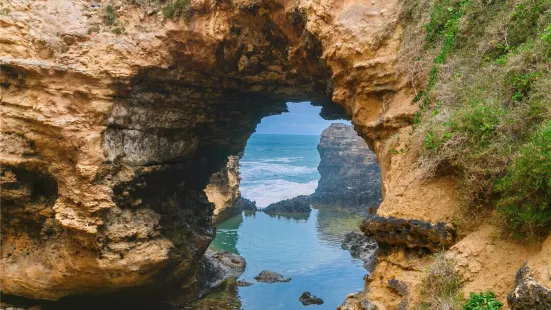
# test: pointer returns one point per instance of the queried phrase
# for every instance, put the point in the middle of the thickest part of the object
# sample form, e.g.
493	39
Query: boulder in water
244	283
307	299
299	204
270	277
217	267
246	205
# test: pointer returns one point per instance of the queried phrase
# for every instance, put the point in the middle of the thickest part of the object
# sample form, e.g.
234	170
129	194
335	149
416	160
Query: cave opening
287	202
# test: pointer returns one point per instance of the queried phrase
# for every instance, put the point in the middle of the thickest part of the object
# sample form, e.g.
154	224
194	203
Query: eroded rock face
409	233
528	293
223	191
108	140
350	176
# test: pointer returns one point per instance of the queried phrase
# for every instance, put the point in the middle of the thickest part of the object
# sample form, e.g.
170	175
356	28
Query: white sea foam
265	192
265	170
281	160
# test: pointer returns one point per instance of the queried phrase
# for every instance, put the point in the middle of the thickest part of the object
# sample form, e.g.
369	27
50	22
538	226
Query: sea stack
350	176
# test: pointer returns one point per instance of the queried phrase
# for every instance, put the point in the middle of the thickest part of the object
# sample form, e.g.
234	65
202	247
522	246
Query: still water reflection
305	248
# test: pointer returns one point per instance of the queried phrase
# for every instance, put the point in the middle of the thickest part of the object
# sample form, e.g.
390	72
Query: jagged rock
363	247
270	277
246	205
528	294
223	191
307	299
409	233
356	301
349	173
299	204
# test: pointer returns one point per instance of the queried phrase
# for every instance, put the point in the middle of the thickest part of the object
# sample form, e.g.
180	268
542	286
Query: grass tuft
441	286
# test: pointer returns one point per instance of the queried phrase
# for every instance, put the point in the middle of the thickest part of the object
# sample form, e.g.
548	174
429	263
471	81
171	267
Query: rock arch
131	127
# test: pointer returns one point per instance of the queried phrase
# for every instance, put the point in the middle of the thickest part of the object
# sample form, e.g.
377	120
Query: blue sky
302	119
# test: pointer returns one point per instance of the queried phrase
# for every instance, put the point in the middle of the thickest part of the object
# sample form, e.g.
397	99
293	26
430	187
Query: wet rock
244	283
409	233
299	204
219	266
349	173
362	247
307	299
528	293
270	277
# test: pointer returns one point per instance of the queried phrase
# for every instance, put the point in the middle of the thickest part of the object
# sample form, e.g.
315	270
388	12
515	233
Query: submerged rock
528	293
349	173
362	247
299	204
223	297
306	299
270	277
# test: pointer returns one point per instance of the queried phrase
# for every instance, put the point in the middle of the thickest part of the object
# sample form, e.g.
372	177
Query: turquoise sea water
305	248
277	167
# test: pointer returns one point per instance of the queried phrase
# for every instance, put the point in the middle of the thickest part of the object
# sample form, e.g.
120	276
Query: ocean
277	167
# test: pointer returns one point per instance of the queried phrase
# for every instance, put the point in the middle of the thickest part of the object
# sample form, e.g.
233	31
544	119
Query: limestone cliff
113	123
223	191
349	173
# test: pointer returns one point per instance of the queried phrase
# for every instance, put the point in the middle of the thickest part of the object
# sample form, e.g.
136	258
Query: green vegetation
177	8
110	16
526	189
484	70
441	286
482	301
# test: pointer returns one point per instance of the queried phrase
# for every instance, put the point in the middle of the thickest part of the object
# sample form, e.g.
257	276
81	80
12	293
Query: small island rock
270	277
307	299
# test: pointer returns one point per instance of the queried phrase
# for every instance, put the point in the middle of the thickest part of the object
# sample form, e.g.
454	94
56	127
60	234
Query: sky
302	119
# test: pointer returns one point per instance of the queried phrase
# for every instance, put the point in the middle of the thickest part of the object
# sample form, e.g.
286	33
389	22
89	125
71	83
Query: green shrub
482	301
177	8
478	120
521	84
526	189
110	16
